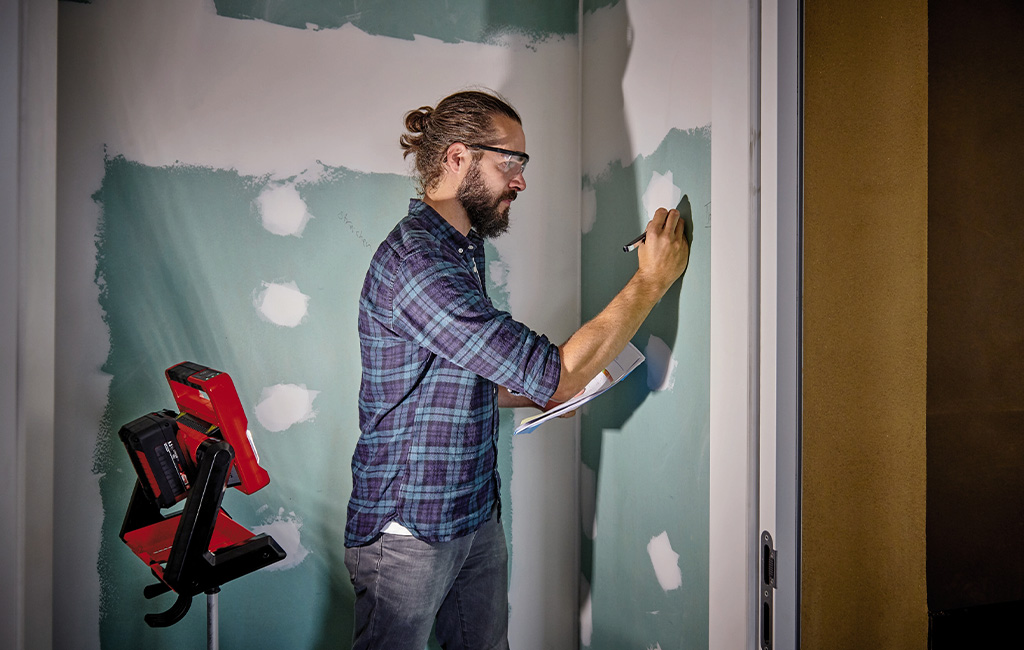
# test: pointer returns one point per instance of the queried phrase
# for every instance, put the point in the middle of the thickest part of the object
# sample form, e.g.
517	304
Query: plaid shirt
434	351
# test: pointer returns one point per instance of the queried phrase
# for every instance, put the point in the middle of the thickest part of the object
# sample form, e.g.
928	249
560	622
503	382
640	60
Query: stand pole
212	620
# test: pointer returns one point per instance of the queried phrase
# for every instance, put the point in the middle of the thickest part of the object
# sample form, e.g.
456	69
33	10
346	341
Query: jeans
403	584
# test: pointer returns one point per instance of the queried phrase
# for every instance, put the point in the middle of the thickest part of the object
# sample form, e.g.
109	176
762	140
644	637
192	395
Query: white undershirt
395	528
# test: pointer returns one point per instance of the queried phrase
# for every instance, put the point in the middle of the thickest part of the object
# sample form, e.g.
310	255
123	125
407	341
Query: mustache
509	195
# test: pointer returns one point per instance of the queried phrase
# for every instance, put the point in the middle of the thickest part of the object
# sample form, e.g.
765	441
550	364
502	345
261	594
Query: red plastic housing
153	543
209	396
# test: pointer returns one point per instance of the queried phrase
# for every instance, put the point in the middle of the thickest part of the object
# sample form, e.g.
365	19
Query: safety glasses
513	162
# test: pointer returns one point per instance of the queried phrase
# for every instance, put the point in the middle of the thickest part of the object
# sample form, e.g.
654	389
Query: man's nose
518	182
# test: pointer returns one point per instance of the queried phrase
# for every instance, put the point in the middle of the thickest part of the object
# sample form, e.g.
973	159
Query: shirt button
472	248
460	250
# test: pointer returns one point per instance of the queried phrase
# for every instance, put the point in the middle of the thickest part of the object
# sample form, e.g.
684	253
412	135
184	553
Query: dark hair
465	116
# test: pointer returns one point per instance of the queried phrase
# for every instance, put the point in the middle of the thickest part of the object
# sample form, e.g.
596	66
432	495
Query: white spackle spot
588	501
282	209
665	561
497	272
282	304
285	531
586	613
588	203
283	405
661	193
661	366
656	646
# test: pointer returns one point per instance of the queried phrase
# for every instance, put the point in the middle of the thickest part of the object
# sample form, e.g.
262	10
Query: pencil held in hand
632	246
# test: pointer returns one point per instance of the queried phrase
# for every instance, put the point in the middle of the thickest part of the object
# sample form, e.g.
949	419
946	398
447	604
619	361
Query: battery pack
152	445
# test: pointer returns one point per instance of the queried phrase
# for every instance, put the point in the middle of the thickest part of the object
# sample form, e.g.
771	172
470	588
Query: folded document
616	371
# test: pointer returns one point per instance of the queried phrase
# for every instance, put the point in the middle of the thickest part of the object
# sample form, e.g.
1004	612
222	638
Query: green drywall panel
645	445
182	255
450	21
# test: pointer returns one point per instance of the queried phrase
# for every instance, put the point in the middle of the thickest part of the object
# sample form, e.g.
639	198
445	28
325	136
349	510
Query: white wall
27	143
10	471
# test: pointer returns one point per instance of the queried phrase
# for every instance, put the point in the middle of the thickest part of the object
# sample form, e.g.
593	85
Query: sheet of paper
617	370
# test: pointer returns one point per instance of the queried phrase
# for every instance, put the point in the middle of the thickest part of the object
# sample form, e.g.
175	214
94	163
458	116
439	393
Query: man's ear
457	156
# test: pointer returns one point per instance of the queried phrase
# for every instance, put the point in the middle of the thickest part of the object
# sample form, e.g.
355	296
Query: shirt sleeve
440	304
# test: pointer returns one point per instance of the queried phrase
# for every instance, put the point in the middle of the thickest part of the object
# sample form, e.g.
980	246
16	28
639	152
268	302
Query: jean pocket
352	562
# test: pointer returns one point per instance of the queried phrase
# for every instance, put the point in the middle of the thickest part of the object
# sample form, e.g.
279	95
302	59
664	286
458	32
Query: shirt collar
439	227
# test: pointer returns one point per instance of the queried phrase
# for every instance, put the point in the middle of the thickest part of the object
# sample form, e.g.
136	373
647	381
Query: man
424	540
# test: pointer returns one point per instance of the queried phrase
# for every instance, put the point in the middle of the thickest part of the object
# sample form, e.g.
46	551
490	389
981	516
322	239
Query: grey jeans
403	584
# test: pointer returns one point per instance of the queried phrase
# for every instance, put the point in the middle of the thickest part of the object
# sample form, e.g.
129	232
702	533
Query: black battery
162	468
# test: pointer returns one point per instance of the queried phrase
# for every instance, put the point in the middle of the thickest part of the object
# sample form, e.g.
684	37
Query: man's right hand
664	254
662	257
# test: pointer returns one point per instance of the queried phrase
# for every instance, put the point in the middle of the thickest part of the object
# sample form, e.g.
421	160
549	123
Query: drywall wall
225	171
9	468
28	142
224	176
865	302
644	473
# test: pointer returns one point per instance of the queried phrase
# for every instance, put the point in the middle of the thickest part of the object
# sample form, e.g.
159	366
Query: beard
483	209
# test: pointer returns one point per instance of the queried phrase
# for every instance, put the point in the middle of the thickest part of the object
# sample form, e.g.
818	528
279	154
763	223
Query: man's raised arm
662	259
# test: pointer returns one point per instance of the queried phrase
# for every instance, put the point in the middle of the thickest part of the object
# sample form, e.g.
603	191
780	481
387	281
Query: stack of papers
616	371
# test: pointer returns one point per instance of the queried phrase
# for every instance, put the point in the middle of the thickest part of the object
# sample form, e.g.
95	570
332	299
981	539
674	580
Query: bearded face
486	214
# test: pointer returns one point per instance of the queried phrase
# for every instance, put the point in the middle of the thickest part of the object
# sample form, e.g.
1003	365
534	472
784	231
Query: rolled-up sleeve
440	305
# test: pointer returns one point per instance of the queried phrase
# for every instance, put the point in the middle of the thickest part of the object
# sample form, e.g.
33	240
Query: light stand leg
212	620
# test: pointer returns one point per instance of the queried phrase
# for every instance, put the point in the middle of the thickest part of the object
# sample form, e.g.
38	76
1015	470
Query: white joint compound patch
661	366
282	210
282	304
586	613
285	531
665	561
588	501
588	204
283	405
661	192
497	272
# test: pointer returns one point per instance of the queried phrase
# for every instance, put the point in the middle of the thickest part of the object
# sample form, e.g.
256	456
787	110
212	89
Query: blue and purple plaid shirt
434	351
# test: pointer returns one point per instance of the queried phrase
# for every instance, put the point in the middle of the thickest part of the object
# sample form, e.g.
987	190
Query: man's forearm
593	346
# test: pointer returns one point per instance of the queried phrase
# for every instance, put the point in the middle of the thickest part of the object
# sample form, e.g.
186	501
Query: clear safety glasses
513	162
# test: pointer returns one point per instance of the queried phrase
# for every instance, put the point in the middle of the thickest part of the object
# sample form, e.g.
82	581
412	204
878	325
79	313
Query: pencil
631	246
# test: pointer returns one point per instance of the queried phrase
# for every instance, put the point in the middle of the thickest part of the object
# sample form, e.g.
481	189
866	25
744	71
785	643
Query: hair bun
418	121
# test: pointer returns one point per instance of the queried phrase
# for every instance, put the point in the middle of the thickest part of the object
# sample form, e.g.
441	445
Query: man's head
481	136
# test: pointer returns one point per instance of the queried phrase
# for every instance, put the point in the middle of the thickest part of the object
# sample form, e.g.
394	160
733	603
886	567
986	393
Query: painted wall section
644	485
181	250
221	190
647	447
865	319
446	20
